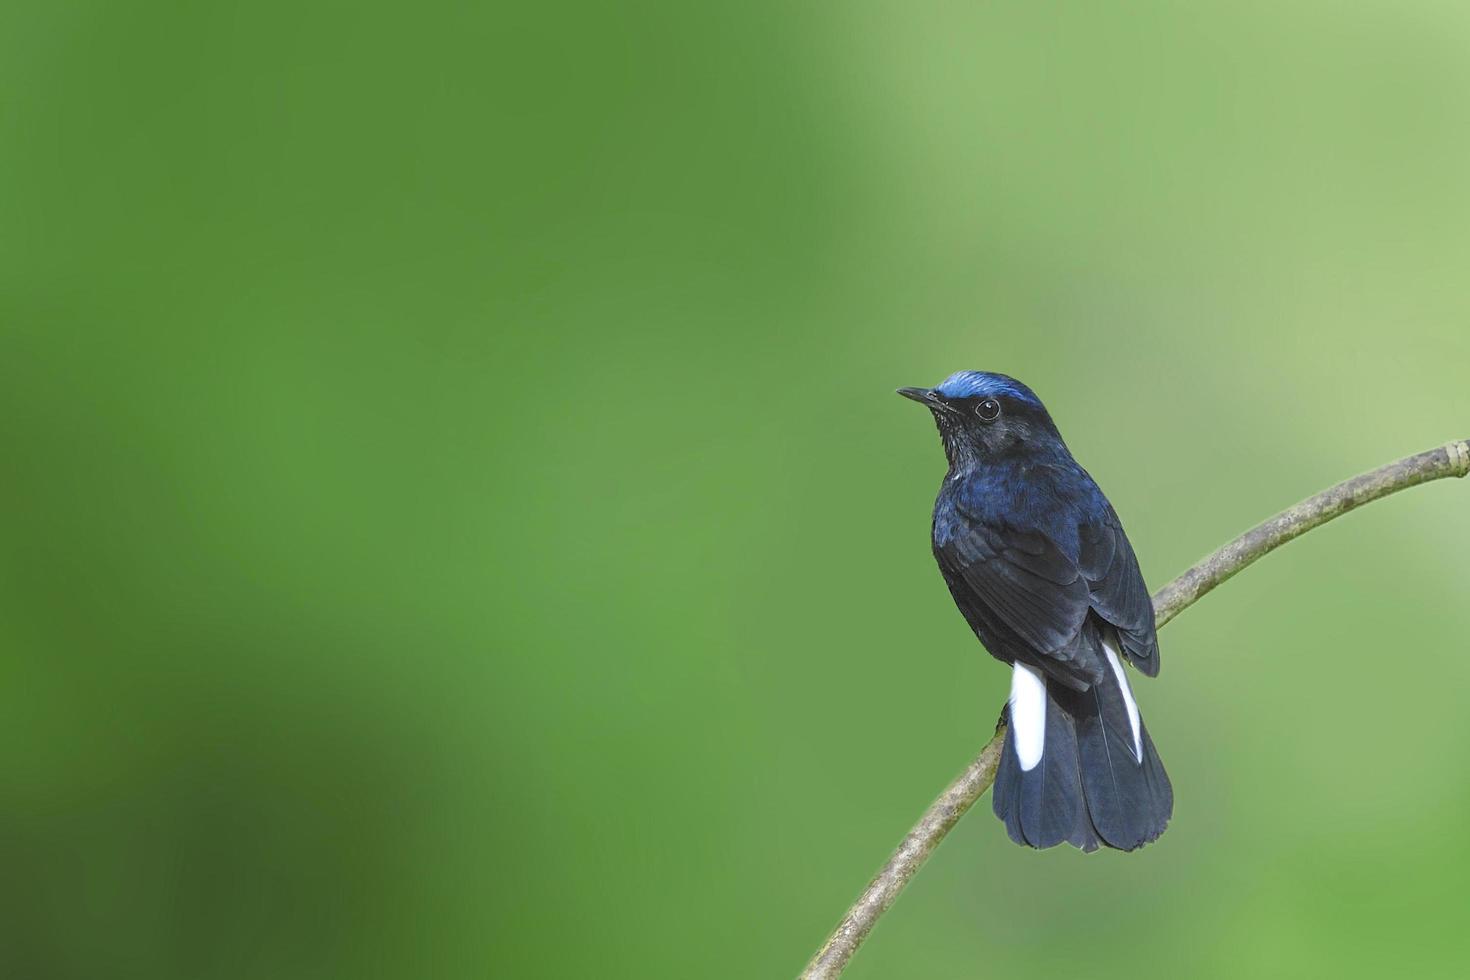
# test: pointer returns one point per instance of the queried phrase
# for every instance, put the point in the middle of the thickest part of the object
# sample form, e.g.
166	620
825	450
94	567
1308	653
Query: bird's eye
987	410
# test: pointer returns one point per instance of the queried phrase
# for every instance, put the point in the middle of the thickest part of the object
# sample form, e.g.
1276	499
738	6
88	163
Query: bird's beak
924	396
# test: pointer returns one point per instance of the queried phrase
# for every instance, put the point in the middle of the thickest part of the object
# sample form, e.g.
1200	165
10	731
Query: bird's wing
1118	593
1024	595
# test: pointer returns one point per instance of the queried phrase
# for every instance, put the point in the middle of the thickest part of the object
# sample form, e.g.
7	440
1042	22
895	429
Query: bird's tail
1079	766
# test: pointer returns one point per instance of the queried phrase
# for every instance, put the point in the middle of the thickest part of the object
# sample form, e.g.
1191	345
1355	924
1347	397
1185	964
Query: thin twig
1452	459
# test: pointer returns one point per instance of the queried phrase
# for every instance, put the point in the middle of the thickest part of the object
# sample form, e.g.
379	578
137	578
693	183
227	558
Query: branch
1452	459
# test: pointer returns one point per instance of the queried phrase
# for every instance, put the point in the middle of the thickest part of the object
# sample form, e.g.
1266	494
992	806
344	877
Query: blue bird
1038	563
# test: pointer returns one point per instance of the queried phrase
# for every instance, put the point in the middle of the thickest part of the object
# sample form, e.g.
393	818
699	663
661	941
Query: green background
457	521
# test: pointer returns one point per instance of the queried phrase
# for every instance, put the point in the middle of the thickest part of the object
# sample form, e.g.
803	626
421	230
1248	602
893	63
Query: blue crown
974	384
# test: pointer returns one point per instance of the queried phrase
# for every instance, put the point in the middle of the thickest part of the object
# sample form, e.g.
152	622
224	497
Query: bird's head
984	416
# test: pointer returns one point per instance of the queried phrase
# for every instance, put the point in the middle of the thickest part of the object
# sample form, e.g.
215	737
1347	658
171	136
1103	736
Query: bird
1038	563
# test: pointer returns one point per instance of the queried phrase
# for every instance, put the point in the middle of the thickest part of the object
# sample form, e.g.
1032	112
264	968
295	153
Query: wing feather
1029	596
1106	560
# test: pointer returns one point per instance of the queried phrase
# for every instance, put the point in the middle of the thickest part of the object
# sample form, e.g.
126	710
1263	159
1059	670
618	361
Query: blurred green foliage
457	521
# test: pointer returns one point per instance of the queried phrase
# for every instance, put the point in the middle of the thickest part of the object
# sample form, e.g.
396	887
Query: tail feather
1043	806
1129	799
1098	779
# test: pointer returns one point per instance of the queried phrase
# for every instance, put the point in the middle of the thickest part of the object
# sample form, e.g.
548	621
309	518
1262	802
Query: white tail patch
1110	647
1028	715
